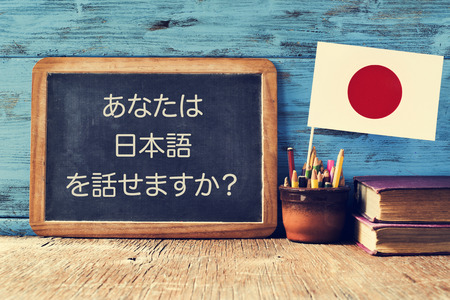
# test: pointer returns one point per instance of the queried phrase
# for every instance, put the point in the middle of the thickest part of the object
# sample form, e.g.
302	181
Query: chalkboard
153	147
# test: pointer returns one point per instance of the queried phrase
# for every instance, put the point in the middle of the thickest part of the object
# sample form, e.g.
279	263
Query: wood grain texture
284	31
250	28
15	226
47	268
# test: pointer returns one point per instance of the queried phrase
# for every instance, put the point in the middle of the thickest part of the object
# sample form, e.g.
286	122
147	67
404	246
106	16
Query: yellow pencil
314	180
338	170
294	179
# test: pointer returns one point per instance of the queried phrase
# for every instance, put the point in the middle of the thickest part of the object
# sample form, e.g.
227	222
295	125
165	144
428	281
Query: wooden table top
65	268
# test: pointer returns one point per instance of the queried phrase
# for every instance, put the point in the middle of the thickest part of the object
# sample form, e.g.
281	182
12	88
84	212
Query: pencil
308	172
320	179
291	162
330	164
286	182
342	180
302	181
338	170
316	165
294	179
313	156
333	170
314	180
326	176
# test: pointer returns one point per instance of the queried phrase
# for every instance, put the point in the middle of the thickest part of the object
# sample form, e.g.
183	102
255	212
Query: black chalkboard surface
153	147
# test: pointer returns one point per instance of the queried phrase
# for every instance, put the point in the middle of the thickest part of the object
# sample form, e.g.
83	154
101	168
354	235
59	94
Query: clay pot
314	215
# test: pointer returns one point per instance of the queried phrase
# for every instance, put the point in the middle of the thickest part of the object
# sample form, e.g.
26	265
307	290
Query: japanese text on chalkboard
107	185
176	145
161	106
170	145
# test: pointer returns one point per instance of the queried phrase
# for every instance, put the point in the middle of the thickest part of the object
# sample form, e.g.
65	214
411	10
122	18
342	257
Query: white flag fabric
375	91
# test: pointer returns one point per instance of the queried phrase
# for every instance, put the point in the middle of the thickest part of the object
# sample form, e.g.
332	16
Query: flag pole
310	146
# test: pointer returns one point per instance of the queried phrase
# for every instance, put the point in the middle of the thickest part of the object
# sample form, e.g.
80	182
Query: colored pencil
311	136
313	157
342	178
333	170
304	169
290	152
314	179
338	170
294	179
320	179
302	181
342	181
316	164
308	172
330	164
326	176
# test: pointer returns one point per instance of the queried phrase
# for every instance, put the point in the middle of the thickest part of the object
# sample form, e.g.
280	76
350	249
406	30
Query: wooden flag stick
310	146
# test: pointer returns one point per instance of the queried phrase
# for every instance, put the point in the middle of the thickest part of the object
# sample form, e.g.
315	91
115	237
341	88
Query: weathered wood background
62	268
286	32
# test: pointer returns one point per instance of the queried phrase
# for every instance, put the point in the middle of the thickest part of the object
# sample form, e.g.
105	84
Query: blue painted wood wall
286	32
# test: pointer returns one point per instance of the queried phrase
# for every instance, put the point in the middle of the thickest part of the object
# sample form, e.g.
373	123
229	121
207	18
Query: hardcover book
403	198
401	239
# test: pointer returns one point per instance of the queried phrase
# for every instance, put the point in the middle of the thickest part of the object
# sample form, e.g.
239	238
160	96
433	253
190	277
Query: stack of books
398	215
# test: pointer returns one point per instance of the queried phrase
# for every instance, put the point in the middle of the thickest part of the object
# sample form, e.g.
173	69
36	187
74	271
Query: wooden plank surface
44	268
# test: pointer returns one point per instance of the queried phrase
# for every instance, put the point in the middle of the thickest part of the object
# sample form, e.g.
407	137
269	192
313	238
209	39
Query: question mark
231	183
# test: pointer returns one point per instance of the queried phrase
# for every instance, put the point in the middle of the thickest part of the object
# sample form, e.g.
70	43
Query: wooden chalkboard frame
128	229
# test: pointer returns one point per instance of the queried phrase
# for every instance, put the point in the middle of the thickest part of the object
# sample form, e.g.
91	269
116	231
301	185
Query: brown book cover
401	238
422	199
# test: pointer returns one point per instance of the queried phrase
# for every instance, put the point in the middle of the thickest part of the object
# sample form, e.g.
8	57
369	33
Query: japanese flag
375	91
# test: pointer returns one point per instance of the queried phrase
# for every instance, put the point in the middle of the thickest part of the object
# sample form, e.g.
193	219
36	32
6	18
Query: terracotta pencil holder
314	215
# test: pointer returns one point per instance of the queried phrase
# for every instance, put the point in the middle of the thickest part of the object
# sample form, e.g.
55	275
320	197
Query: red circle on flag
374	92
